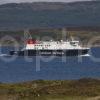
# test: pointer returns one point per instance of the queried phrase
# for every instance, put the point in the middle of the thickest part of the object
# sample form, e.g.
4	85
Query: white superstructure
52	45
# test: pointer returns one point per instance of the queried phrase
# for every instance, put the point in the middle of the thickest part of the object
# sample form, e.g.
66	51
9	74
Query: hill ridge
49	14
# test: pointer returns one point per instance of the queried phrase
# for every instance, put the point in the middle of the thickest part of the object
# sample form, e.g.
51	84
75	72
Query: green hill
47	14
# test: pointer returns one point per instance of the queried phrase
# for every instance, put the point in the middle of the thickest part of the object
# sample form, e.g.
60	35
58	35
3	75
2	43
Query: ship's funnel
31	41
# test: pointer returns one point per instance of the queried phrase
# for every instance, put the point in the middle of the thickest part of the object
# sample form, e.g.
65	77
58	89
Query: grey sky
13	1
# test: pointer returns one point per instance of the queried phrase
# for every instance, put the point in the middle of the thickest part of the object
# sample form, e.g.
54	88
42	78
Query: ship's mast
27	36
64	34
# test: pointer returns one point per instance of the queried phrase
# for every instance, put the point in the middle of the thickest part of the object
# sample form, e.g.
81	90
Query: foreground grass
51	90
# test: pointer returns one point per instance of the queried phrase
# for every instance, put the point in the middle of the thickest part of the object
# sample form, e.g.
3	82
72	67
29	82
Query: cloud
18	1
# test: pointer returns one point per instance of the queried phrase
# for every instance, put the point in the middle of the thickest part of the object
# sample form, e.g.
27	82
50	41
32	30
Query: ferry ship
52	48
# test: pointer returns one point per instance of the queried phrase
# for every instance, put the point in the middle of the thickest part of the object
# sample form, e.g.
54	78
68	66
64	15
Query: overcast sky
13	1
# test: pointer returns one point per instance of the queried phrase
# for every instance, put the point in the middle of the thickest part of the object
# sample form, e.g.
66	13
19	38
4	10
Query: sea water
22	69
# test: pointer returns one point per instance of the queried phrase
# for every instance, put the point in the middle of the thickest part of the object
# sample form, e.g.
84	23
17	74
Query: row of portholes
42	45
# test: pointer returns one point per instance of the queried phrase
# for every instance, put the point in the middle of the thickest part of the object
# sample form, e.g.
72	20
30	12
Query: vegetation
51	90
40	15
56	34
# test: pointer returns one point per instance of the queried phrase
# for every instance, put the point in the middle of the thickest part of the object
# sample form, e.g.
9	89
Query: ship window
73	43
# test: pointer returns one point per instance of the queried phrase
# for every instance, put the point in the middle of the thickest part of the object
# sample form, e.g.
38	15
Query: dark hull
70	52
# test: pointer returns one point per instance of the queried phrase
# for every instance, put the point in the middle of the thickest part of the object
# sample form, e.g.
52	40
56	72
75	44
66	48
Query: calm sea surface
57	68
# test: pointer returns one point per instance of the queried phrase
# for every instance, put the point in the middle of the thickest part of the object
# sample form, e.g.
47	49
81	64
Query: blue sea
21	69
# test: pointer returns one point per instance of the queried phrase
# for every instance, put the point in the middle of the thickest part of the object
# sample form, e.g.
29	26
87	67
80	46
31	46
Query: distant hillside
42	14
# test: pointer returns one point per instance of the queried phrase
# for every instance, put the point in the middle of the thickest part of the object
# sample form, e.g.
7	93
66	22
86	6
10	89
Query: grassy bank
51	90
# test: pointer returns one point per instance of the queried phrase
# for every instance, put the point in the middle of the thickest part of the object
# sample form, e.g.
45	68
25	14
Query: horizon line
46	2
